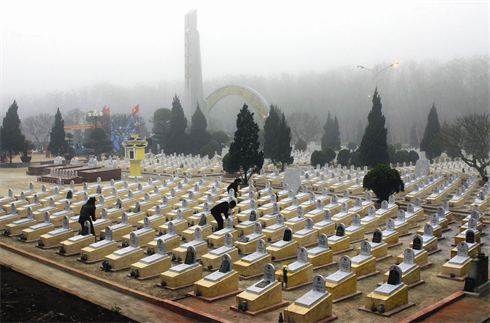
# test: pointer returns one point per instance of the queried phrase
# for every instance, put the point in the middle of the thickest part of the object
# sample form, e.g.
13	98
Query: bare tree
303	125
39	127
75	117
468	137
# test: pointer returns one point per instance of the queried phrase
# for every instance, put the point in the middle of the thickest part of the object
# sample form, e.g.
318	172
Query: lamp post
94	113
377	72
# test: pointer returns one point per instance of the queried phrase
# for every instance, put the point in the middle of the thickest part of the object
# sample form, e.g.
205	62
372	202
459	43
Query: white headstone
408	256
345	265
365	248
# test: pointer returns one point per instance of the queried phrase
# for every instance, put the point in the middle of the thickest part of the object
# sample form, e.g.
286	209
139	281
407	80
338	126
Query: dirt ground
434	289
28	300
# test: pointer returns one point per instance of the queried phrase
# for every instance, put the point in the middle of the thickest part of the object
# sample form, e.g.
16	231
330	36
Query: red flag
136	109
107	111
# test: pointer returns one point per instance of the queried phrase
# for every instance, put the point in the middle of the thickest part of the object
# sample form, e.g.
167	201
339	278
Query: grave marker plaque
261	246
356	220
340	230
365	248
345	264
302	255
395	276
470	236
319	284
228	240
327	216
309	224
408	256
190	256
390	225
288	235
269	273
226	264
133	240
377	236
417	242
323	241
428	230
108	234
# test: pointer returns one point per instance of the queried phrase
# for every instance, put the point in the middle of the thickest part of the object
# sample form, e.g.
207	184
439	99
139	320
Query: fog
298	55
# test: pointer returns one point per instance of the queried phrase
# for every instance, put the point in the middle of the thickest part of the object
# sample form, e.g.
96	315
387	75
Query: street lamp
377	72
94	113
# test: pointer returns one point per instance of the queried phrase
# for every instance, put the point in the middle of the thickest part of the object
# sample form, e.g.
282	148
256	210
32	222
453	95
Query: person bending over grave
222	208
234	186
87	213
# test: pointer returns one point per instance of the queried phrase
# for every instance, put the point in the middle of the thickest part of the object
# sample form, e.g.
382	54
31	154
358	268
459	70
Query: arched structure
254	98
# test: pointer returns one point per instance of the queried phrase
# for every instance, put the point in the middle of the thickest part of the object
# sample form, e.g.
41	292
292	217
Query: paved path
134	308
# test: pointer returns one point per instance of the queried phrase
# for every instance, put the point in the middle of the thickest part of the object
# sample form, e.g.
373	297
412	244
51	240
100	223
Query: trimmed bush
343	157
301	145
383	181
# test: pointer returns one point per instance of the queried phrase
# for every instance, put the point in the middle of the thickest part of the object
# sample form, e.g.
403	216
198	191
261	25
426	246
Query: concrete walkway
132	307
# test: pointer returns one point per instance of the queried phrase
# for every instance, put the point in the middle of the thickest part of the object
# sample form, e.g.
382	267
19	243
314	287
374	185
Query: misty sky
55	46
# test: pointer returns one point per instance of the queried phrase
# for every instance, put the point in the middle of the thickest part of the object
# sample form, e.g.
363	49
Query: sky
55	46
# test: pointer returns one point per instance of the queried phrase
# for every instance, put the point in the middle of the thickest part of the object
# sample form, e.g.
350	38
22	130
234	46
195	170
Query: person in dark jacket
222	208
87	213
234	186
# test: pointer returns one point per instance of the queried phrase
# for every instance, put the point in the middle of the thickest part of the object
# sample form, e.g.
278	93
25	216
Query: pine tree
326	132
271	132
283	148
331	133
335	139
12	139
198	136
414	140
58	144
161	124
176	140
431	148
374	148
244	151
360	133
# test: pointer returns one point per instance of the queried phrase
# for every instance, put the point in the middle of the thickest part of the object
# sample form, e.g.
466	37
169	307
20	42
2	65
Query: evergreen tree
58	144
271	132
12	139
335	134
161	124
374	148
431	148
244	150
99	142
198	136
331	133
414	140
283	148
360	133
176	140
326	132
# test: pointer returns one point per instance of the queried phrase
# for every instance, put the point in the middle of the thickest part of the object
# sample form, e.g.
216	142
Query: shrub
343	157
398	146
355	159
383	181
227	165
220	136
352	145
413	156
301	145
391	152
206	150
322	157
330	153
401	157
215	146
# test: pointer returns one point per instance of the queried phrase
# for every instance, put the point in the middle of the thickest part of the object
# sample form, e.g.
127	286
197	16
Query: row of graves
61	174
169	164
163	230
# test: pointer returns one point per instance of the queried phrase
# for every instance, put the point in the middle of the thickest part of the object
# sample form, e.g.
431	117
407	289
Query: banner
79	126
